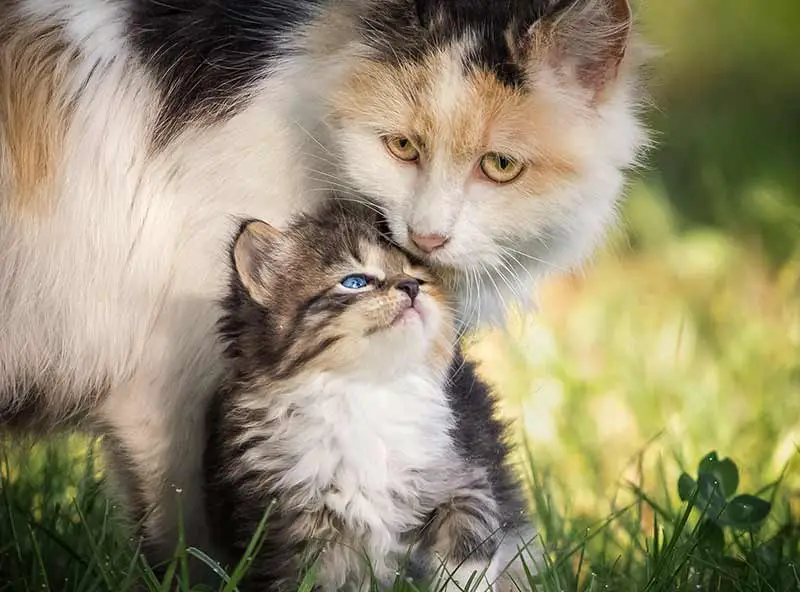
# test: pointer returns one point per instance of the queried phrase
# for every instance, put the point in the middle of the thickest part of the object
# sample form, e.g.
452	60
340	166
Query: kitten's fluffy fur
132	132
352	416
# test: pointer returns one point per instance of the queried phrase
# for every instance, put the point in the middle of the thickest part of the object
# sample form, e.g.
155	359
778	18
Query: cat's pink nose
428	242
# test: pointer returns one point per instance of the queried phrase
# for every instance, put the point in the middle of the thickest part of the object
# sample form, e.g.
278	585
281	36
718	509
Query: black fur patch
480	436
207	54
236	506
31	407
402	30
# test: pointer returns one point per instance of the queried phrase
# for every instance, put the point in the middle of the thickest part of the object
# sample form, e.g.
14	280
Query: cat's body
386	448
132	132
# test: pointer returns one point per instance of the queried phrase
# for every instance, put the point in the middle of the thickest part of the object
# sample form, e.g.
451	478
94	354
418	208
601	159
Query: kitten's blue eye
355	281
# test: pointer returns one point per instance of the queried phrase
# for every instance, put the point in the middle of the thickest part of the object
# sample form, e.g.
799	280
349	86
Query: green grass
59	532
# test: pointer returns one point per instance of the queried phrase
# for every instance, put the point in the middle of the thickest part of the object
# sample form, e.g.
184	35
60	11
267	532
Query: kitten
350	414
492	136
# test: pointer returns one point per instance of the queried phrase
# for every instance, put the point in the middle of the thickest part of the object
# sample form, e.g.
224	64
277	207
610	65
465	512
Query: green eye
401	148
500	168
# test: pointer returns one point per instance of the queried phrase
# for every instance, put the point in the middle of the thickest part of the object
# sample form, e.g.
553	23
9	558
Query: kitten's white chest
369	453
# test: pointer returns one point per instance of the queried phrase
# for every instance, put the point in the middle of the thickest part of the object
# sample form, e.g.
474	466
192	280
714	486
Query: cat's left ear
255	242
591	37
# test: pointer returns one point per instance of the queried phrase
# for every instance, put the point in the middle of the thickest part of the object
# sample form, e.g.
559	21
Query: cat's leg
154	428
485	554
461	538
520	552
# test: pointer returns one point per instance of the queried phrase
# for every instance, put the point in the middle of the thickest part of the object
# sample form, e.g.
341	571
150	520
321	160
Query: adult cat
492	136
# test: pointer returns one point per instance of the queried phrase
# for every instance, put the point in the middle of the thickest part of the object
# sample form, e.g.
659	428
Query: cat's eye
401	148
500	168
355	281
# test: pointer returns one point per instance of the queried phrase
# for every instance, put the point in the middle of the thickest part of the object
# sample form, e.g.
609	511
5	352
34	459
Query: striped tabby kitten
351	413
493	136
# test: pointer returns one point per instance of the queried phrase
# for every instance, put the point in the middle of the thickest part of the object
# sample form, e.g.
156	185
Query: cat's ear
251	255
590	37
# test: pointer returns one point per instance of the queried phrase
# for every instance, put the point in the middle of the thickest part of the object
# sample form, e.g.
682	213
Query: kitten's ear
251	255
590	36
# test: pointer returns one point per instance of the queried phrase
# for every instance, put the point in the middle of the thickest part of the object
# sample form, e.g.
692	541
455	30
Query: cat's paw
466	576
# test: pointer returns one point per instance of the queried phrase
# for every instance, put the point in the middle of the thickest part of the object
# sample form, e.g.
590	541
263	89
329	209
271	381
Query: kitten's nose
410	287
428	242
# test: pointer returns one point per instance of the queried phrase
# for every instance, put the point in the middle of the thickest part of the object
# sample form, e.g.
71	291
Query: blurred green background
686	330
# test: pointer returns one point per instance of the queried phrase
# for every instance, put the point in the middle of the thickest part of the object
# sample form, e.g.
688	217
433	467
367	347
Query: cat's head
492	134
330	295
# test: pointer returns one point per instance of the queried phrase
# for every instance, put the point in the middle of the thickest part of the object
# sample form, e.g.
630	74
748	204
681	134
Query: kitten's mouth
407	315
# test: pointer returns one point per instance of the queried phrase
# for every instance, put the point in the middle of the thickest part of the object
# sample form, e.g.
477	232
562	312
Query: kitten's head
330	295
491	134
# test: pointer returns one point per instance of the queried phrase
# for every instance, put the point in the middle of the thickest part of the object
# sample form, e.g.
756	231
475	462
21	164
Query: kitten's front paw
466	576
519	555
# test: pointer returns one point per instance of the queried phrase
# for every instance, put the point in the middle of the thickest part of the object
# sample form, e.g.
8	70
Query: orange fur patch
35	67
479	114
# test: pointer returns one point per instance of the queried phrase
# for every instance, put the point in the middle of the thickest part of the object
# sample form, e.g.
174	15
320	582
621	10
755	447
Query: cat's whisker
470	283
501	264
476	295
367	204
487	273
533	258
324	173
362	202
512	258
505	262
475	289
340	196
333	185
513	288
312	137
510	264
336	186
332	163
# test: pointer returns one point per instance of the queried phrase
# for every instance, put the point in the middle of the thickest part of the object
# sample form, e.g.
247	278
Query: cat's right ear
592	37
255	241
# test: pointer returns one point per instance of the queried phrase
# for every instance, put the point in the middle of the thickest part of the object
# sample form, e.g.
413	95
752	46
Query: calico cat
493	137
349	412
